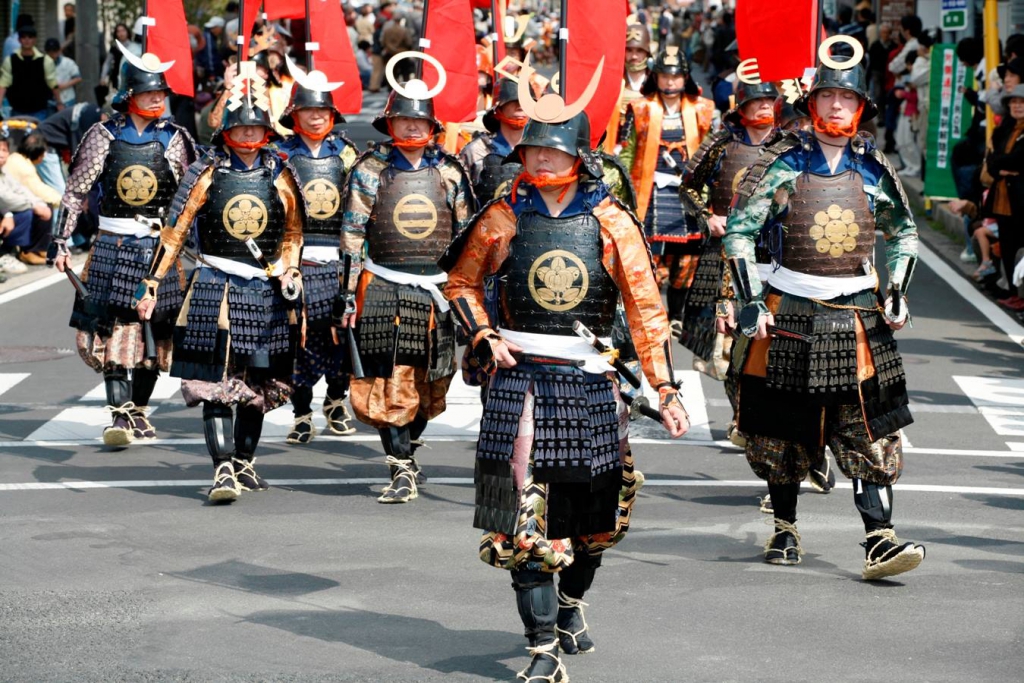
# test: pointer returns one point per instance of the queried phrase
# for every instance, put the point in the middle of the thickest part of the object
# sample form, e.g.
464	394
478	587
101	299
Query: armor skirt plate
698	333
229	324
112	273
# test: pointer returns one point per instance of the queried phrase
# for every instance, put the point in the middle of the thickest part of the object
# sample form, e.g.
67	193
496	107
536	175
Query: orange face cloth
145	113
547	181
247	146
299	130
826	128
762	122
512	122
408	143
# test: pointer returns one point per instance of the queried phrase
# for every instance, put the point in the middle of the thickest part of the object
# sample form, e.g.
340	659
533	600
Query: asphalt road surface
112	567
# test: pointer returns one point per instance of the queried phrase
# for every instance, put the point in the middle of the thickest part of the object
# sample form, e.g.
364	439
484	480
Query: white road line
999	400
467	481
35	286
997	317
9	379
78	424
165	389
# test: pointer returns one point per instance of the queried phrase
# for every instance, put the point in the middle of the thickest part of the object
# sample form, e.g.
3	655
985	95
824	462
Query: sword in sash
621	368
291	292
350	333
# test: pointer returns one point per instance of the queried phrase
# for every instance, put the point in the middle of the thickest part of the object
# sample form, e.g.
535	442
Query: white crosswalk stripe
9	379
999	400
165	389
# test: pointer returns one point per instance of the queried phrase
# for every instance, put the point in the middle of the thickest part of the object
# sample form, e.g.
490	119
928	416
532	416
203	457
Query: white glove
1018	273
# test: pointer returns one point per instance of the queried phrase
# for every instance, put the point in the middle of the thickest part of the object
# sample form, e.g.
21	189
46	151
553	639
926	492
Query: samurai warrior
234	340
320	158
132	163
819	366
406	200
484	157
554	474
638	54
661	132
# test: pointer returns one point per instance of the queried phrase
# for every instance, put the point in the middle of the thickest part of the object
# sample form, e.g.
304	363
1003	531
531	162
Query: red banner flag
335	57
596	29
285	9
251	9
453	43
779	34
168	39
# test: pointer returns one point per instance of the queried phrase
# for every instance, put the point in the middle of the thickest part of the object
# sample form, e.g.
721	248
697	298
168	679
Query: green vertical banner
949	117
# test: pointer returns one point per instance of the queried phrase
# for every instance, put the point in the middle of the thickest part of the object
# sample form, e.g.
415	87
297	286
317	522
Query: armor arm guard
291	243
86	169
360	197
172	238
765	201
628	139
628	262
702	166
460	193
894	218
485	247
181	153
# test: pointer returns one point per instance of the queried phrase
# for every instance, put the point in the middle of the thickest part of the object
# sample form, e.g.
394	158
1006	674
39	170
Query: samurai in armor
638	54
234	340
320	158
406	200
132	163
484	157
716	169
554	474
661	132
830	373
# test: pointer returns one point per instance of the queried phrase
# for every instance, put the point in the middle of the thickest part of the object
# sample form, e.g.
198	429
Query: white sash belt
126	226
321	255
663	180
230	267
427	282
763	271
819	287
567	347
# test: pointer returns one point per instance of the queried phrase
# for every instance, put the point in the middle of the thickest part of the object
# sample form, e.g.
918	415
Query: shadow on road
421	642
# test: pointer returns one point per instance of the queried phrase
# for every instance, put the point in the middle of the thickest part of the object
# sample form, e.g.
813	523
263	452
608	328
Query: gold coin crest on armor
738	178
136	185
245	216
835	231
322	198
415	216
558	280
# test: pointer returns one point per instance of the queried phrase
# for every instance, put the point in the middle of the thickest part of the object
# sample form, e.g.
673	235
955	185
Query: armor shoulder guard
705	159
887	168
769	155
455	249
623	189
603	212
181	151
188	181
374	150
89	159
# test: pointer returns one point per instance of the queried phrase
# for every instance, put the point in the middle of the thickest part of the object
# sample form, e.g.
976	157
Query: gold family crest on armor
738	178
558	280
835	231
245	216
322	198
415	216
136	185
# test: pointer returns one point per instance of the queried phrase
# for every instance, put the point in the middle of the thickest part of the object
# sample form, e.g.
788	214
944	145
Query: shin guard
248	429
218	432
118	387
874	503
143	383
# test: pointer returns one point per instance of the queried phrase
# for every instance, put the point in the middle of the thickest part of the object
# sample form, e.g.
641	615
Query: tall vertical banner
949	117
452	41
168	38
335	57
597	28
780	35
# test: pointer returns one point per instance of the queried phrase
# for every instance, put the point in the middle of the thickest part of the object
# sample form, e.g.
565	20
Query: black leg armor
218	432
396	442
337	389
783	547
538	608
874	503
142	385
302	400
573	582
248	428
784	500
118	386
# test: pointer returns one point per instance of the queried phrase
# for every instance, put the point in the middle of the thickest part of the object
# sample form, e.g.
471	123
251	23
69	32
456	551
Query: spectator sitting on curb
25	226
21	165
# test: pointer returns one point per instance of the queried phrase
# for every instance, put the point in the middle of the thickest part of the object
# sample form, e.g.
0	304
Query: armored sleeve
628	261
472	156
485	248
291	243
768	200
360	197
628	139
172	238
85	171
181	152
894	218
460	194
